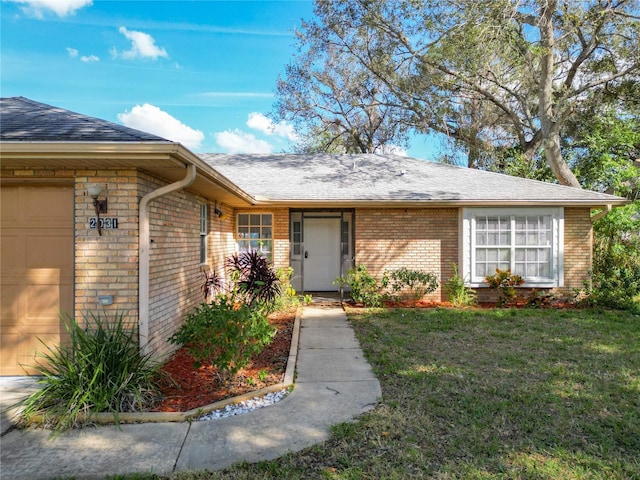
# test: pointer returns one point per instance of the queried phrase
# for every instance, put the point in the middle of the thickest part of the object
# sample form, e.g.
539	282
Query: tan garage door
36	271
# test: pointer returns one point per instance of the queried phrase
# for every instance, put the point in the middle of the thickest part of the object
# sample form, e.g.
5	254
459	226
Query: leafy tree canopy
504	79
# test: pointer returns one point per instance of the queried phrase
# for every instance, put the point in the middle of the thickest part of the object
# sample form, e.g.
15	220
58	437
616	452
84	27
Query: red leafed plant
505	283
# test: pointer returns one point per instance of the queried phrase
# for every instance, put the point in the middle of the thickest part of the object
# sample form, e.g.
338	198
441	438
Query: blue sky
199	72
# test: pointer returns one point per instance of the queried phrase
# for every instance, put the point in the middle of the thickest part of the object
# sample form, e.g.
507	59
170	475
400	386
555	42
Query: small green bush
413	284
364	288
101	370
618	291
505	283
288	297
224	334
460	295
539	298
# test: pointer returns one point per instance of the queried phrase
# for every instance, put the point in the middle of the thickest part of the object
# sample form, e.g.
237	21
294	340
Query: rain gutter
144	251
601	214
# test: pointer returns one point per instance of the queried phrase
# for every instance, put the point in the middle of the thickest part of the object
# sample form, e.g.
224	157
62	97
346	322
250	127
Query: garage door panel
42	304
12	255
45	303
49	210
37	277
9	206
33	351
9	343
9	298
52	250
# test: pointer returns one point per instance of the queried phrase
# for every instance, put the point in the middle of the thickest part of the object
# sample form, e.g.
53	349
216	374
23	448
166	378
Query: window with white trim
204	231
255	232
527	241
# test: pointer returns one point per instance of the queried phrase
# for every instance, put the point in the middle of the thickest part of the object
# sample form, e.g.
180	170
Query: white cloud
150	118
73	53
143	45
260	122
237	141
62	8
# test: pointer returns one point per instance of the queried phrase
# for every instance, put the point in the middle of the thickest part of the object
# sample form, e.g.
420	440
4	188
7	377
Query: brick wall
107	264
419	239
578	248
280	237
174	268
222	242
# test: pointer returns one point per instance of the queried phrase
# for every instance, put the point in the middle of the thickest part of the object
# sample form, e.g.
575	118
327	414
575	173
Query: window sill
525	285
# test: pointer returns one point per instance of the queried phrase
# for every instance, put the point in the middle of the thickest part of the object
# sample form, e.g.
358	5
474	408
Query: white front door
321	254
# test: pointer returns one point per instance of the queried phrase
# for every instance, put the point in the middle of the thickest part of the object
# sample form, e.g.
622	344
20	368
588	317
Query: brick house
162	215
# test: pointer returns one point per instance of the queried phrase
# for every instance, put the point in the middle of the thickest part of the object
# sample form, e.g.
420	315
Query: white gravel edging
245	406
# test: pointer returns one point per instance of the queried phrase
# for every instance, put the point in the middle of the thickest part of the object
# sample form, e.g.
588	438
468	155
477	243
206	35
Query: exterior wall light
218	212
94	191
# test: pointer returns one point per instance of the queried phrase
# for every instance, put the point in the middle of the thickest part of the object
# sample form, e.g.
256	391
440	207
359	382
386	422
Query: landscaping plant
460	295
413	284
505	283
288	297
100	370
224	334
254	278
615	281
364	288
213	284
234	326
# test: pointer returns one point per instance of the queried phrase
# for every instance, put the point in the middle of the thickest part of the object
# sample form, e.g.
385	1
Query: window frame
204	232
267	253
469	246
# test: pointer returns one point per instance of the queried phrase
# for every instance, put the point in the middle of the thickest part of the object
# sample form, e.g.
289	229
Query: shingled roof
302	179
25	120
387	178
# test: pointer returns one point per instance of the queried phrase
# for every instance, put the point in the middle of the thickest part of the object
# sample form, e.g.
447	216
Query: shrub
101	370
539	298
615	281
224	334
611	291
460	295
505	283
364	288
255	281
213	284
414	283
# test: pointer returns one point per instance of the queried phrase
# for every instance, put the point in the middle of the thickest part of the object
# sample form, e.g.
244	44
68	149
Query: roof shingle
389	178
25	120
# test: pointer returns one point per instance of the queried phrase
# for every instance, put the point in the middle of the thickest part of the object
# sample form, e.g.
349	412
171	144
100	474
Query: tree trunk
555	161
548	122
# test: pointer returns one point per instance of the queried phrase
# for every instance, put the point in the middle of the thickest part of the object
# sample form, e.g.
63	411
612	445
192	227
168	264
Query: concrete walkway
334	384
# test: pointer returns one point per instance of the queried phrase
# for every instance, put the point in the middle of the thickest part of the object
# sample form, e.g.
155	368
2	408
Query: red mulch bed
479	305
193	388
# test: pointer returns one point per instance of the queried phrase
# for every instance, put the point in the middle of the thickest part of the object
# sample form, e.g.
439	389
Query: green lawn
485	394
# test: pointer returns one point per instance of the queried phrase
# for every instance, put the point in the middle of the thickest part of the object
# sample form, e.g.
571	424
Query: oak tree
495	76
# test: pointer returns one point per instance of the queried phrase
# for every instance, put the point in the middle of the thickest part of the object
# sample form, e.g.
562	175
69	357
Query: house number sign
109	222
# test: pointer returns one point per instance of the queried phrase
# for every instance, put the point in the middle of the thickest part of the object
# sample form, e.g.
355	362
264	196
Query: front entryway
321	248
321	263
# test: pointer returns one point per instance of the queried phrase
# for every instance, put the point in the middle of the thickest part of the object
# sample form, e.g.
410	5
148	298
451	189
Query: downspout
601	214
144	252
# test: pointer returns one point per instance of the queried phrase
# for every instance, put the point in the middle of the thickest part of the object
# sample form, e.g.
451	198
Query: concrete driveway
12	390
